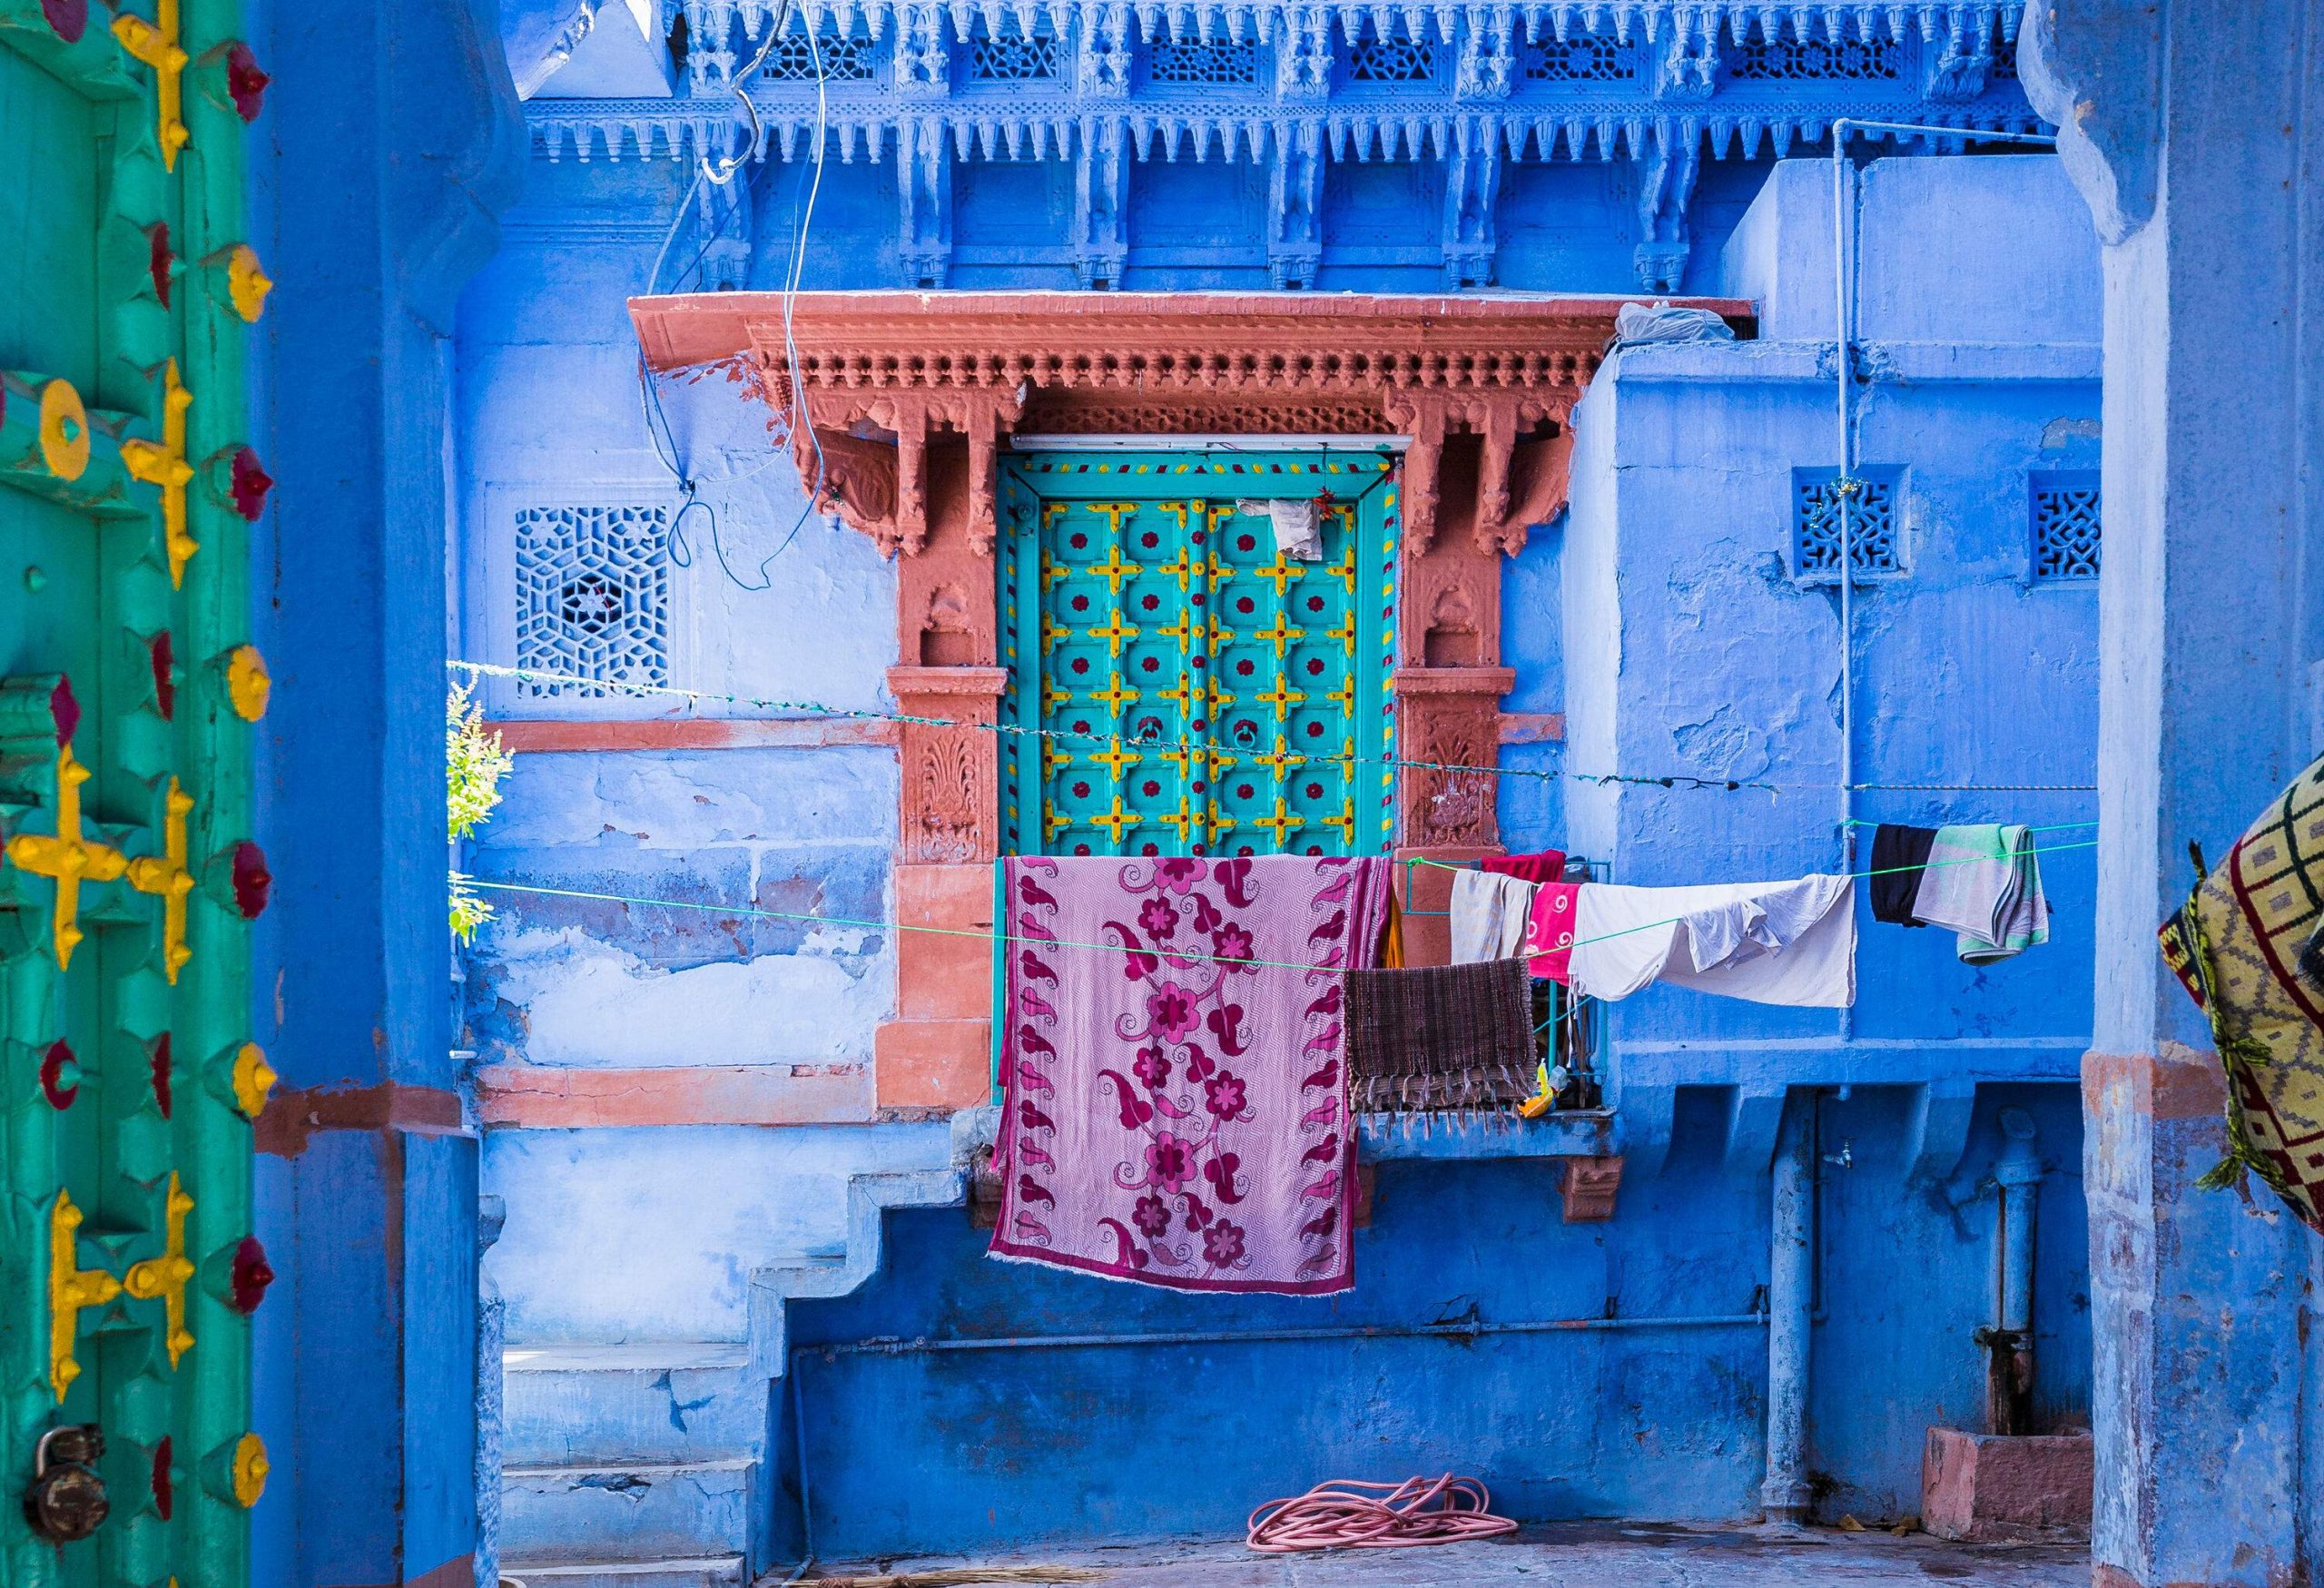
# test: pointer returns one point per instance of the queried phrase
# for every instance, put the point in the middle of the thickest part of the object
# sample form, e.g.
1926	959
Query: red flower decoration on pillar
245	81
165	684
52	1076
249	484
68	19
165	1487
253	881
159	258
162	1074
251	1276
64	711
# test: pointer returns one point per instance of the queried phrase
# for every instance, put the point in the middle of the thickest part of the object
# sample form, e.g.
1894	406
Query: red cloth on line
1548	866
1549	930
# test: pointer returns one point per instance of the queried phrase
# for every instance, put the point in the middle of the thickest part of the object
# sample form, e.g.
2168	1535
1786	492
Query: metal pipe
1784	1496
2010	1342
899	1347
1845	486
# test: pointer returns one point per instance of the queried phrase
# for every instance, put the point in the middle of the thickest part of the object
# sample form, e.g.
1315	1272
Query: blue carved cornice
1661	83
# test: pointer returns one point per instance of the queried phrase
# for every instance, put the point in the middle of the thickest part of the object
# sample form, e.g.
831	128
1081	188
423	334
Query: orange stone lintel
549	737
543	1098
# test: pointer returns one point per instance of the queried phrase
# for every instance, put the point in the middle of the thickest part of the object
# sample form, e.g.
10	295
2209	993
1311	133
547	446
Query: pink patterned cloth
1172	1116
1549	930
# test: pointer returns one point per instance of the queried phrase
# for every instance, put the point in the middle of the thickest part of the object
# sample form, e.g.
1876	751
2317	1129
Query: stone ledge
1996	1488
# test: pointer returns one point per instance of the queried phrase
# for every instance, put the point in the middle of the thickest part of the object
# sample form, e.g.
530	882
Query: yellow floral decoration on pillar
248	683
253	1079
247	282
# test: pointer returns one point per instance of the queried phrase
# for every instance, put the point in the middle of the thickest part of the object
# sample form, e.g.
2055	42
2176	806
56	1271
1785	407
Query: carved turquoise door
128	1084
1182	685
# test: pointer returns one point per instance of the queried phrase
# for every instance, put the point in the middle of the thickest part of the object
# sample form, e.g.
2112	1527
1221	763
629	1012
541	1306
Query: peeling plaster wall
668	1225
643	1233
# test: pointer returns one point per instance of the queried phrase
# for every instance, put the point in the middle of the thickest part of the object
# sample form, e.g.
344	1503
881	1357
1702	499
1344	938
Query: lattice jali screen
1584	58
1796	60
1391	60
2065	523
1203	62
592	598
1874	528
844	60
1011	57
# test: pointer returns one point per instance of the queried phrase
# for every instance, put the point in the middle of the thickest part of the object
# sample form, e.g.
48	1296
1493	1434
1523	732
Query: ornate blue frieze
1659	84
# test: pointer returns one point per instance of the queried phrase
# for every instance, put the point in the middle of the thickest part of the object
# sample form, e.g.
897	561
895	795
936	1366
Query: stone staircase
642	1465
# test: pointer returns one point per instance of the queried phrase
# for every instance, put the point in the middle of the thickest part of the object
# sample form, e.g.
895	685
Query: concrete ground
1583	1555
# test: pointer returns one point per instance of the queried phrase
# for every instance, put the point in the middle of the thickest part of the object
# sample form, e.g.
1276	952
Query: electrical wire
657	423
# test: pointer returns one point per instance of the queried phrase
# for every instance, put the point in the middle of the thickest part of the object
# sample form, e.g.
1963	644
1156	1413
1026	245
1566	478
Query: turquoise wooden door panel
128	1085
1178	685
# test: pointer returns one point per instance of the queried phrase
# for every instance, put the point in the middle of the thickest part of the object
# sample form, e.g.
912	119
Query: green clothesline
1000	937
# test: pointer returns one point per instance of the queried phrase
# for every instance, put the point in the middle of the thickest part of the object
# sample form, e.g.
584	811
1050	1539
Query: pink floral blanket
1175	1085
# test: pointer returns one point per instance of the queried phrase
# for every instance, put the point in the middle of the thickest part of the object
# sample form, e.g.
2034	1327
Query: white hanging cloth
1790	942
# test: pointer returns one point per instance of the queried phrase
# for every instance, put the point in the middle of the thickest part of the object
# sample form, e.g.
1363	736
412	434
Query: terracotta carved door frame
911	400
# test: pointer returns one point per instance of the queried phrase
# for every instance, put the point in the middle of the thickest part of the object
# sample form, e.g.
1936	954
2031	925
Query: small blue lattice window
844	60
1798	60
1392	60
1203	62
1874	527
2066	523
2005	65
1584	58
592	598
1011	57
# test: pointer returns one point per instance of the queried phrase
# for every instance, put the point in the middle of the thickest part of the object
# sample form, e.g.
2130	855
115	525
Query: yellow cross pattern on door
1214	652
168	878
67	857
1113	632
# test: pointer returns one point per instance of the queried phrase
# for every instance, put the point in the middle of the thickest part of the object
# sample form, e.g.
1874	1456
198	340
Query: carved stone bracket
950	776
1589	1188
879	483
1503	421
1450	716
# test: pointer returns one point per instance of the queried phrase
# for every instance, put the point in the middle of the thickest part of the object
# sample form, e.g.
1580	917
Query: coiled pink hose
1359	1515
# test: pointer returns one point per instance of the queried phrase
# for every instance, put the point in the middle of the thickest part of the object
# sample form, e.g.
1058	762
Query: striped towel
1442	1038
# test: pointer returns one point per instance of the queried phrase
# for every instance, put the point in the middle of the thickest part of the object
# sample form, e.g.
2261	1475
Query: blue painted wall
1637	1412
371	207
1660	617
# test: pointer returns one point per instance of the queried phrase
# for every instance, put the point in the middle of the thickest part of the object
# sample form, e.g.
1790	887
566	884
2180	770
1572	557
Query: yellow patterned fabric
2239	944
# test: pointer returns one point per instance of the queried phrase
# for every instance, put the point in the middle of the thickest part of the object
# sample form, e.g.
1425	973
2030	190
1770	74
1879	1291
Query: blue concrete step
700	1572
638	1510
605	1406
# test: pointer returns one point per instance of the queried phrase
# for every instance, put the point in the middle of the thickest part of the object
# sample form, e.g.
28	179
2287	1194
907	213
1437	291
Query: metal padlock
66	1502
